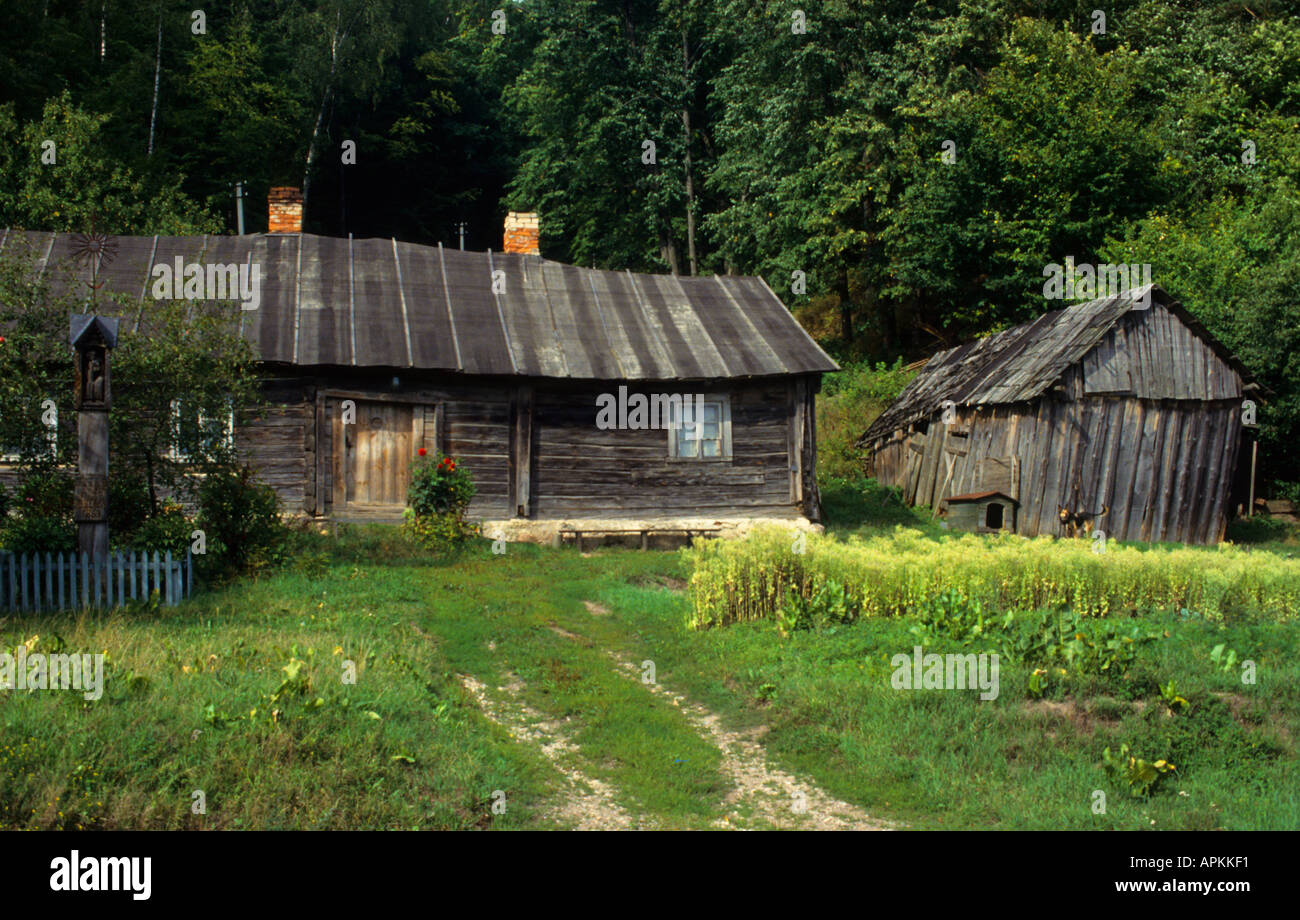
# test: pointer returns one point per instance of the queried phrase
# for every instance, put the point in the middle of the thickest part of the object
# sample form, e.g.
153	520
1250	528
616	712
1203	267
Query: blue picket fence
67	581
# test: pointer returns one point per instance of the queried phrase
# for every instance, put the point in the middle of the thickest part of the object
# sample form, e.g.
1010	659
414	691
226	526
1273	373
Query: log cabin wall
291	442
581	470
534	449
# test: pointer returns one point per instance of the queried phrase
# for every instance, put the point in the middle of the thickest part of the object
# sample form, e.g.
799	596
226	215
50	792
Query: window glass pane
701	434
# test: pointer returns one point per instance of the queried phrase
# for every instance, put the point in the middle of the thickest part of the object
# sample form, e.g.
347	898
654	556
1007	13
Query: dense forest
900	173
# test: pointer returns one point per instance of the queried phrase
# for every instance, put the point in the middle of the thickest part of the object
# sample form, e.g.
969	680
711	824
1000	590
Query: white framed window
216	431
705	438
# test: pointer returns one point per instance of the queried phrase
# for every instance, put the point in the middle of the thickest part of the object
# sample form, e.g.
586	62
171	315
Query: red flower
421	451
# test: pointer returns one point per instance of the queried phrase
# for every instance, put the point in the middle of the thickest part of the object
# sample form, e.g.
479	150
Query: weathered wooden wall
469	422
1146	424
278	441
534	449
583	471
1152	354
1162	467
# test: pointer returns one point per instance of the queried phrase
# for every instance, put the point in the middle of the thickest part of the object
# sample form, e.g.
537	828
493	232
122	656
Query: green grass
188	707
188	704
197	697
946	759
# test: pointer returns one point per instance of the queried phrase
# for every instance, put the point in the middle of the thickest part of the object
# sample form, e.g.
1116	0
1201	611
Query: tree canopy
900	173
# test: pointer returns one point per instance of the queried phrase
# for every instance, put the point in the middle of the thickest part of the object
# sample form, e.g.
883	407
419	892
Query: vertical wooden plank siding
1161	468
521	451
795	444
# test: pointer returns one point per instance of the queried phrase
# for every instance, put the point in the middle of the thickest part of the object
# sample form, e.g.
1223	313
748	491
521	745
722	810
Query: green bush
1260	529
45	494
440	531
1063	650
849	402
128	505
1064	647
828	605
1139	776
27	534
167	531
439	498
439	485
240	519
41	517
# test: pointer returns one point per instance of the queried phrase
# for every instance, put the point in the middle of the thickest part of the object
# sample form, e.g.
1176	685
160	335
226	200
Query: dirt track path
588	803
763	796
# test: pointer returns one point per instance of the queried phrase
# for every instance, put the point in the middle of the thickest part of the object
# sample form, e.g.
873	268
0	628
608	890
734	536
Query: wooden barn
1122	415
502	360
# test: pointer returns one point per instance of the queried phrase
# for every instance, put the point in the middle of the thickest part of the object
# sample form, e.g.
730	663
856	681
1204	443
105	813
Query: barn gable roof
328	301
1021	363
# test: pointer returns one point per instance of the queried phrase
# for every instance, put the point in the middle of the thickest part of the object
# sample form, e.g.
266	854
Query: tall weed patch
750	579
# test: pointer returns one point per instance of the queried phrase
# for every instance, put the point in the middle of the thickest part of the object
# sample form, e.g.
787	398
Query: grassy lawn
240	693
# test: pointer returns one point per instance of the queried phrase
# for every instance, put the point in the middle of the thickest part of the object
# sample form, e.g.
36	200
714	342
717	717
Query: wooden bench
578	533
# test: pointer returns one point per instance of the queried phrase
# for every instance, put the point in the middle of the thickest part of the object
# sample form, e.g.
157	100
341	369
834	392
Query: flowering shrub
439	497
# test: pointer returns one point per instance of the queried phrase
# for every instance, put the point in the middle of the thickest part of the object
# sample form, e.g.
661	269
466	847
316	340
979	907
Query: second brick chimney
284	206
521	233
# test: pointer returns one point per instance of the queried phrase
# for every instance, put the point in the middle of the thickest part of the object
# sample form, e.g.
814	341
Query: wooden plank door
372	458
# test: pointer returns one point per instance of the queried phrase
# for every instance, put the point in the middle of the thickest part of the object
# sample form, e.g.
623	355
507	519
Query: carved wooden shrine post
93	337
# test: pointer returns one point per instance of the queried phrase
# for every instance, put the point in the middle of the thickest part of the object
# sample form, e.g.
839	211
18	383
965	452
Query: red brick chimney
285	208
521	233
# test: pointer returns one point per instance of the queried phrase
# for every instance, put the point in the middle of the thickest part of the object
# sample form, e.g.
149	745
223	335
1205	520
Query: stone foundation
534	530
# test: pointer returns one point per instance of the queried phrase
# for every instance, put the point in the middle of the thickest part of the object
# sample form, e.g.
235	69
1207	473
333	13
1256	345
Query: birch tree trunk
157	77
338	37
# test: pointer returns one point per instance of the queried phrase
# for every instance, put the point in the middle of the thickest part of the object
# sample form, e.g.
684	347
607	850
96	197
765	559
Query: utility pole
461	225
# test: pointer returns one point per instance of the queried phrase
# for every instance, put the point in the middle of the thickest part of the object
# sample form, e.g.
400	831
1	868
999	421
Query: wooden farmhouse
503	360
1123	415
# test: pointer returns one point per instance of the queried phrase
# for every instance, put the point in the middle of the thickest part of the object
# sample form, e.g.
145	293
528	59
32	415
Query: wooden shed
503	360
1122	415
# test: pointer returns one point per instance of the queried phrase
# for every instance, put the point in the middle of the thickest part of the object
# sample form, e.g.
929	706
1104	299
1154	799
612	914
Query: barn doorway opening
993	516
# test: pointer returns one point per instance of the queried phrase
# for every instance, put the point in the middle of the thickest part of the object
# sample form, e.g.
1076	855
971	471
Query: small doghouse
981	512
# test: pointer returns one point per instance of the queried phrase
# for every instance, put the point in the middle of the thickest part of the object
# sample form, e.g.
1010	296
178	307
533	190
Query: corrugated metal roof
383	303
1020	363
